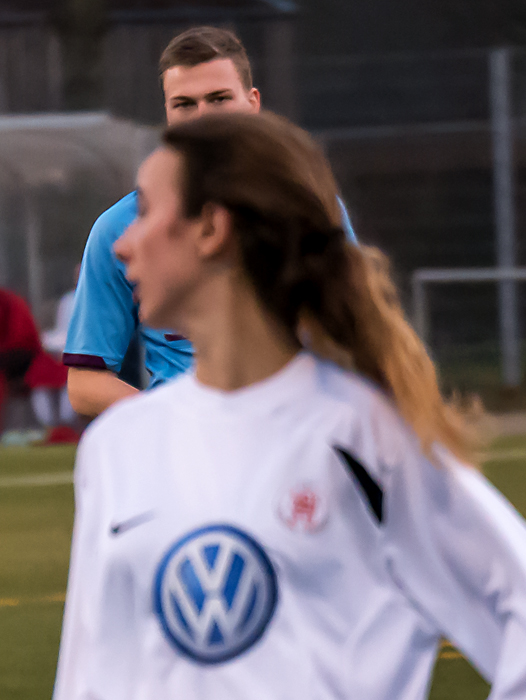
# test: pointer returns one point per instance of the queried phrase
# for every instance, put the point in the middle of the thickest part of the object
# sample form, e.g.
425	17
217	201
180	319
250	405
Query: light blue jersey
105	315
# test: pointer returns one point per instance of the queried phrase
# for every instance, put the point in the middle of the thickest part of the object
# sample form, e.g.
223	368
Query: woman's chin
151	318
146	317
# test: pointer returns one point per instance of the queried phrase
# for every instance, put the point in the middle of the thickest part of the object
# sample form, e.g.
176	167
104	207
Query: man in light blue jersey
204	70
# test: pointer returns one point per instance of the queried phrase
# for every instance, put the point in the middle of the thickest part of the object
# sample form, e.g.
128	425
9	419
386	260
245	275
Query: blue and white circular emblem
215	593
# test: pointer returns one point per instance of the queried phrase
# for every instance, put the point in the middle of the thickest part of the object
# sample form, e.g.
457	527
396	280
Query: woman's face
158	248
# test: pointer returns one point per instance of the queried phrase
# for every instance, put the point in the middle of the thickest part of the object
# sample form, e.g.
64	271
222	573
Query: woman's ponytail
281	193
381	344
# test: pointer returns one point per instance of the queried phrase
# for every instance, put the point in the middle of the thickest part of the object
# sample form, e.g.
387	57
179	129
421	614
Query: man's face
208	88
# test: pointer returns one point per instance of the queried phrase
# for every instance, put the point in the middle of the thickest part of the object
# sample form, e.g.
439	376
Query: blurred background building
402	94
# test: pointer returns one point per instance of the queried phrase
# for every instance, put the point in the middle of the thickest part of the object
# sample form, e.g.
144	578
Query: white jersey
287	541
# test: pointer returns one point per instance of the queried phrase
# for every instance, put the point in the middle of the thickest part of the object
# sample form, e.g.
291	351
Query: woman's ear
216	230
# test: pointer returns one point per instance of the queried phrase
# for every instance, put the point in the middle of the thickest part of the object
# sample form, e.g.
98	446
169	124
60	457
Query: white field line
446	652
512	454
15	602
61	478
51	479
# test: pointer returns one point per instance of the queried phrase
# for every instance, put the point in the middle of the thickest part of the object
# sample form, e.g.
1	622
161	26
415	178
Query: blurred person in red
19	343
24	365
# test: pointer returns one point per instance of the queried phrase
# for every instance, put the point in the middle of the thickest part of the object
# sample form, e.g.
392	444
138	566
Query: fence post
504	203
420	310
279	67
34	261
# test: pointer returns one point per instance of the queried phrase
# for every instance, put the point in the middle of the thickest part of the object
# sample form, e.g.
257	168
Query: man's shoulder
112	223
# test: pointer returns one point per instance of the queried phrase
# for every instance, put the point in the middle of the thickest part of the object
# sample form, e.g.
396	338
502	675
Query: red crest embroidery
304	509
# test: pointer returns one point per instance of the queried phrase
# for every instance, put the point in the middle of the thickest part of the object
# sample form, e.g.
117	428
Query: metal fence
430	156
33	74
429	150
58	173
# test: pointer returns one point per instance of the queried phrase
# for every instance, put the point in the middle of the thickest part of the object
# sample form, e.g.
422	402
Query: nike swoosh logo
137	520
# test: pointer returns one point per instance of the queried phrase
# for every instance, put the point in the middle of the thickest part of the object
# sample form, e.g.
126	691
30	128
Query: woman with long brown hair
294	518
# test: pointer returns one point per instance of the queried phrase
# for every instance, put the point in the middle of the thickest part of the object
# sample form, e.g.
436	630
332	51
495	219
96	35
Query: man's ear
216	230
254	97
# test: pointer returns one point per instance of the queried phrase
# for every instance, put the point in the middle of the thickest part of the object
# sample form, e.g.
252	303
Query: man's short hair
203	44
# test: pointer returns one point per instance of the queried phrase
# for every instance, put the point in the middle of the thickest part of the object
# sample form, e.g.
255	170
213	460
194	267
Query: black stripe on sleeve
83	361
369	486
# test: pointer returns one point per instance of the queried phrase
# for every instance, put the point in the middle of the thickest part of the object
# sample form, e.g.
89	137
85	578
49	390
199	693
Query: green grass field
36	514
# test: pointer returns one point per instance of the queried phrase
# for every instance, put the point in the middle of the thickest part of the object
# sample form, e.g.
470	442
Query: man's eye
221	98
182	105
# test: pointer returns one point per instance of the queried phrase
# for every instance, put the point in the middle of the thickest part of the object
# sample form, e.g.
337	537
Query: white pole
420	311
3	252
280	85
34	262
504	198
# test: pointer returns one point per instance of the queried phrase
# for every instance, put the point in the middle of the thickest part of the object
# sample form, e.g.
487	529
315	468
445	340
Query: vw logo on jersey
215	593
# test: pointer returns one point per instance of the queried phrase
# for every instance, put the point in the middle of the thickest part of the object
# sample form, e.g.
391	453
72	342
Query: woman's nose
120	248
